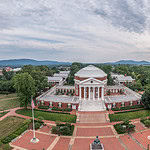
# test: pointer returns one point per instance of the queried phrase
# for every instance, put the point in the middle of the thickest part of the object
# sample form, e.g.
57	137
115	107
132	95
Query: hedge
60	109
128	107
43	107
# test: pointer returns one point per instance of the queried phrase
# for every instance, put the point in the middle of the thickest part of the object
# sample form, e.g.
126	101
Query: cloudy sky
75	30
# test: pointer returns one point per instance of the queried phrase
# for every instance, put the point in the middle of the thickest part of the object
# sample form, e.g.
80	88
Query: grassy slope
9	104
4	96
129	115
49	116
9	125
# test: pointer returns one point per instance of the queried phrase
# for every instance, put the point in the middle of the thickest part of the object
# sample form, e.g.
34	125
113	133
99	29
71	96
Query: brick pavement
84	134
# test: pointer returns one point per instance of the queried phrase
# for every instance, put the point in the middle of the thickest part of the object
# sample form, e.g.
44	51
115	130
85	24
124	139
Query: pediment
91	81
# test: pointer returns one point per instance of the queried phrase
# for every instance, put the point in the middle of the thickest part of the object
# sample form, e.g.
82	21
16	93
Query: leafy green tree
25	87
41	81
146	97
8	75
110	80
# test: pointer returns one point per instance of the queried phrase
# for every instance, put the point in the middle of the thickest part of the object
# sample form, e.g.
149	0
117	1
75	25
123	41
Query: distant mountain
130	62
22	62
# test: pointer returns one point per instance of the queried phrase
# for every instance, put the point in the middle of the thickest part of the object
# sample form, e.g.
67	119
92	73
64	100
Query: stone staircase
91	105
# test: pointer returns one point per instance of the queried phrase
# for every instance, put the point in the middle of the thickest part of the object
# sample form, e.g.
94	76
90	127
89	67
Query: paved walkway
85	132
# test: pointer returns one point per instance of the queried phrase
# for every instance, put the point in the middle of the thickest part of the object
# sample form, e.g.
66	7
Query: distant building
121	79
16	69
55	80
8	69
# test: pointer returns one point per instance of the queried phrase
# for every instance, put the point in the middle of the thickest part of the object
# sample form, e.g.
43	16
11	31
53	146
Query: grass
9	104
4	96
9	125
3	113
49	115
129	115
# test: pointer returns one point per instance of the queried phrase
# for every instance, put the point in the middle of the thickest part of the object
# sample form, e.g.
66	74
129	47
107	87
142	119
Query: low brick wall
56	104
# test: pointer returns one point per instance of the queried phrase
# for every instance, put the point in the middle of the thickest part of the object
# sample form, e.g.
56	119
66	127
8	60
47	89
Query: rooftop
62	98
91	71
55	79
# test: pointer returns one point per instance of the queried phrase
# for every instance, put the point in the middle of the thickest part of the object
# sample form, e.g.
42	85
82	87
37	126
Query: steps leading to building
91	105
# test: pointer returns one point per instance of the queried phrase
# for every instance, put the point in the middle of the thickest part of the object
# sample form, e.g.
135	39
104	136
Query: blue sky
75	30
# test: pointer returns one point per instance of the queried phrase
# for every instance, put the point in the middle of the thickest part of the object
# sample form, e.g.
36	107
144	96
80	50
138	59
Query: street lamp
148	144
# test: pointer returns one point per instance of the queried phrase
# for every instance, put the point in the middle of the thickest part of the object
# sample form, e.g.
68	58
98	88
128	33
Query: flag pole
34	139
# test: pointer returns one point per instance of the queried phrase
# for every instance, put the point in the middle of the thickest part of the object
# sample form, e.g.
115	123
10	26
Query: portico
91	92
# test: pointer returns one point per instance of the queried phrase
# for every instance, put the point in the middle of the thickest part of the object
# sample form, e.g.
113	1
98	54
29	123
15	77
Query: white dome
91	71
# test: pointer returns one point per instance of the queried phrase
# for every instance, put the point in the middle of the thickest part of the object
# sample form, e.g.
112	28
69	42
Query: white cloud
75	30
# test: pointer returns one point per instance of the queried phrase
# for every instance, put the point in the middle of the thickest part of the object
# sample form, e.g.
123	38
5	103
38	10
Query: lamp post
148	144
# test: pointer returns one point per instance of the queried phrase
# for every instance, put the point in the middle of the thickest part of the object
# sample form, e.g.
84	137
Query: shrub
63	129
1	143
124	127
60	109
147	123
37	125
40	119
143	119
119	128
128	107
43	107
6	147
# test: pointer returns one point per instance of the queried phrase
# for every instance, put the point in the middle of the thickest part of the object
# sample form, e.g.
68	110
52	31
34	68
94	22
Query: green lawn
9	104
4	96
9	125
129	115
49	116
3	113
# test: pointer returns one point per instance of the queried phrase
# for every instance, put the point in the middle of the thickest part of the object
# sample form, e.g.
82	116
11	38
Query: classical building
90	83
90	93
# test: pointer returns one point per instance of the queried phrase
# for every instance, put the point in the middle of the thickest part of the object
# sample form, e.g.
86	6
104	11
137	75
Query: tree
25	87
110	80
41	81
8	75
146	97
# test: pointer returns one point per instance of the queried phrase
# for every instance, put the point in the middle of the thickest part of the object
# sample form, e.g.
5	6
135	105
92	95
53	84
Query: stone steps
91	105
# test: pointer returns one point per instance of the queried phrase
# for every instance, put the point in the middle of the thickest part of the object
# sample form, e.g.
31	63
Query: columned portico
94	92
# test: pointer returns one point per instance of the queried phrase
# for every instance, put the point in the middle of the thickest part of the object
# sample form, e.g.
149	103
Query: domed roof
91	71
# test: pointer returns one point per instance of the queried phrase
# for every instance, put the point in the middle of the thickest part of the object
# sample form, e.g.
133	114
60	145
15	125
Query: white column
93	93
89	93
98	93
102	93
84	92
80	93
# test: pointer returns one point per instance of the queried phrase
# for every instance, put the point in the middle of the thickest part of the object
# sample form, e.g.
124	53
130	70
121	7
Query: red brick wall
56	104
118	105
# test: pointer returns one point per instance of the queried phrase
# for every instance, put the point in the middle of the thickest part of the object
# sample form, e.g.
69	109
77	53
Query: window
51	103
114	105
59	104
139	102
122	104
69	105
91	81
